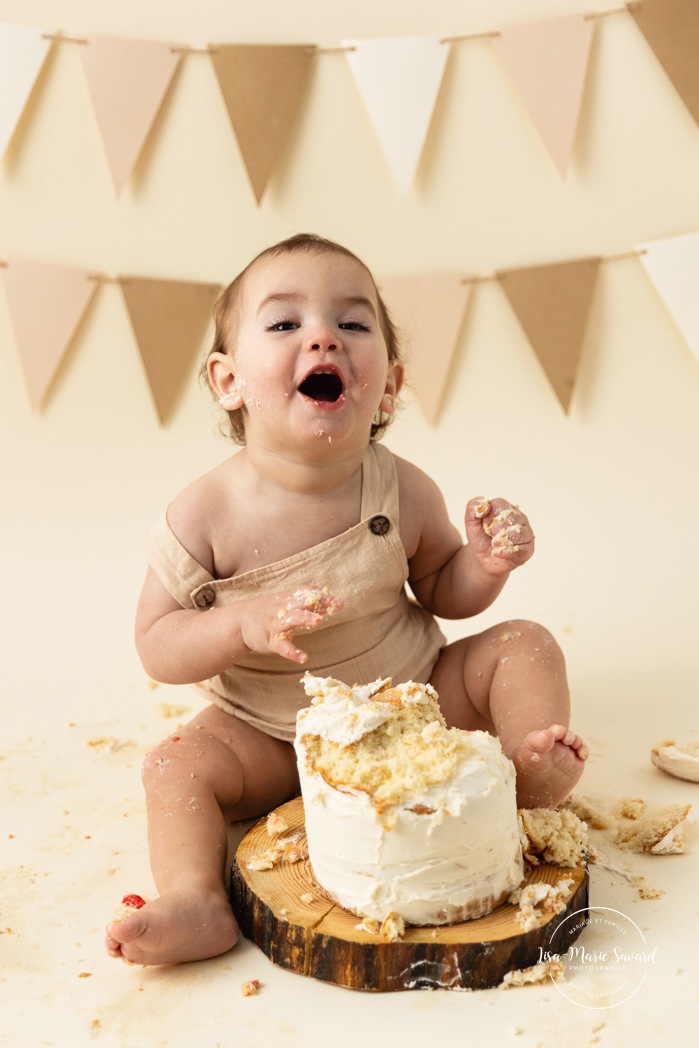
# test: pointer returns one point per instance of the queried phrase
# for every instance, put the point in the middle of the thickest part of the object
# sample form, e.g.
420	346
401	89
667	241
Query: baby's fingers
281	643
315	599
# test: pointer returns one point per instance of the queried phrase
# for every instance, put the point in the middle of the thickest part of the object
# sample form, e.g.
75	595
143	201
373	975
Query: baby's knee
530	638
160	762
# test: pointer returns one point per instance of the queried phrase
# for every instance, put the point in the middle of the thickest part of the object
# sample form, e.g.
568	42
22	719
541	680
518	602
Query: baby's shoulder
194	514
414	485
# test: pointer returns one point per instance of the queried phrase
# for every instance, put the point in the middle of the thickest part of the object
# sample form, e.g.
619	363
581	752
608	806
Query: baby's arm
448	577
182	646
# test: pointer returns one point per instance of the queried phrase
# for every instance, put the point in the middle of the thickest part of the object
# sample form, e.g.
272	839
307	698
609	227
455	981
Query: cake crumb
369	925
540	900
538	973
168	709
295	851
393	927
678	760
276	824
634	825
557	837
265	861
307	898
250	988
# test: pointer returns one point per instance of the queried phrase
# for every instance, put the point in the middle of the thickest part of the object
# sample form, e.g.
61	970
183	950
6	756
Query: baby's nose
322	337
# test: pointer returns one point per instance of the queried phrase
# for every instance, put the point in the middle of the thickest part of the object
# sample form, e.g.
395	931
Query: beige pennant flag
128	80
46	304
671	28
23	50
263	87
429	310
673	266
548	62
170	319
553	305
399	80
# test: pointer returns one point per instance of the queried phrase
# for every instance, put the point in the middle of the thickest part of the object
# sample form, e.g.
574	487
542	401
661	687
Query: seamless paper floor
73	843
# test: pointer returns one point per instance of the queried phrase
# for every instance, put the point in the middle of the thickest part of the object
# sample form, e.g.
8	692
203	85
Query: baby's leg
511	680
215	770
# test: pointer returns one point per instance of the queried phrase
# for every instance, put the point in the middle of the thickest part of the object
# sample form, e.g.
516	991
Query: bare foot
549	762
179	926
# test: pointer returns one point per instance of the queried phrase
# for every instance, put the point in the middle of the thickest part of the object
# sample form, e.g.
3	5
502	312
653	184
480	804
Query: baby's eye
282	325
353	325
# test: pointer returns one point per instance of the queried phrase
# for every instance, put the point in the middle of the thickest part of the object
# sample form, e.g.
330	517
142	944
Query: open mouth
324	386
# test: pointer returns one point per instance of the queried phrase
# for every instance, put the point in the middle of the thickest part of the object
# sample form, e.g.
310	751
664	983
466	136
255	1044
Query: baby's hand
499	534
274	620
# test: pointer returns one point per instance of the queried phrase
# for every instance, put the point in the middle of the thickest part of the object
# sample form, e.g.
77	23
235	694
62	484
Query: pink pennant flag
429	310
23	51
673	266
399	80
128	80
548	62
46	304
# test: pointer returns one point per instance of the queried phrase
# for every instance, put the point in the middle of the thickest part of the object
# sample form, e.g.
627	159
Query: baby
294	553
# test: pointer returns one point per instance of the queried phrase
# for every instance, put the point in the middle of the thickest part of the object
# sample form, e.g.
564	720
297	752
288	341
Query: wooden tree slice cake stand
286	914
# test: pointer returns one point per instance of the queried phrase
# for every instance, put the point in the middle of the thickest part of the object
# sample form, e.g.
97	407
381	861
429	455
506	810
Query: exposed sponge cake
404	815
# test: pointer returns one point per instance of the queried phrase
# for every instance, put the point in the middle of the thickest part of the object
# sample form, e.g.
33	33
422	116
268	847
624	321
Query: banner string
636	253
185	49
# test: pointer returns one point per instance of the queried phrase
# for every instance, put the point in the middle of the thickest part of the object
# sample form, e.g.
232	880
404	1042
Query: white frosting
343	715
455	860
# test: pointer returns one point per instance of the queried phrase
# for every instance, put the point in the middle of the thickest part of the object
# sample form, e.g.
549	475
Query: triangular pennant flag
169	319
399	80
553	304
673	266
548	63
671	28
263	87
46	305
23	51
128	80
429	309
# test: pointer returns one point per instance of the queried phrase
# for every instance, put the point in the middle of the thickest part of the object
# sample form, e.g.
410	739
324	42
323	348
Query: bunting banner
552	304
46	304
429	310
169	319
399	80
23	51
263	87
671	28
128	81
548	63
673	267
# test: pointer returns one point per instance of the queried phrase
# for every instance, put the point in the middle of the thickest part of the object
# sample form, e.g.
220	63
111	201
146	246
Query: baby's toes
579	746
540	741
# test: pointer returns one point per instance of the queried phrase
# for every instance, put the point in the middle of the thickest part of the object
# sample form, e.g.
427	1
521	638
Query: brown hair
228	302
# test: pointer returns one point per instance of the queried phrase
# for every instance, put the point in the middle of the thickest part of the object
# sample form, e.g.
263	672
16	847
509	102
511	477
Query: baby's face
310	359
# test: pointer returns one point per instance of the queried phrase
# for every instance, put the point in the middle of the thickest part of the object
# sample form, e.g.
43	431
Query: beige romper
380	632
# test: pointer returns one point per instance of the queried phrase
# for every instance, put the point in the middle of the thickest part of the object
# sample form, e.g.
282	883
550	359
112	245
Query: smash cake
405	817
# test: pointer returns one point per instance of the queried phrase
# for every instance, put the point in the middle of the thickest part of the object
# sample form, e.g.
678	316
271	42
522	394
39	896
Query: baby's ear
394	382
223	382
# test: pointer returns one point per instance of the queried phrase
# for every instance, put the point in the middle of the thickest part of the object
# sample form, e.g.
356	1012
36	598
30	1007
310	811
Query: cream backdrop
612	488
